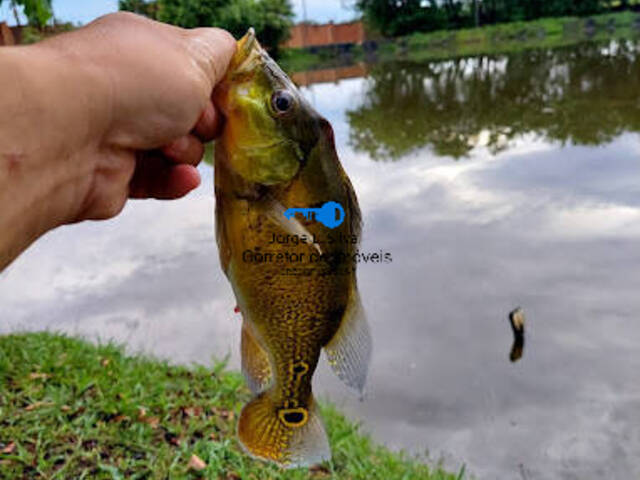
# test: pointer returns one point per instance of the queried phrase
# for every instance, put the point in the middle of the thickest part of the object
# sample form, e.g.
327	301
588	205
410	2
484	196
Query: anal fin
349	351
256	366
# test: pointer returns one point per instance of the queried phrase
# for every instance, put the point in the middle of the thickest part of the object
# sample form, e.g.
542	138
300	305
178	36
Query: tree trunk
15	12
476	9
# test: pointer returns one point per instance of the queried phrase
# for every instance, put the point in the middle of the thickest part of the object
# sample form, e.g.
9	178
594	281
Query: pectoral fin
255	361
349	351
275	211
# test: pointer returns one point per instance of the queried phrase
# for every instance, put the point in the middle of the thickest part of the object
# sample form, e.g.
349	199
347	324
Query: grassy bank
69	409
491	39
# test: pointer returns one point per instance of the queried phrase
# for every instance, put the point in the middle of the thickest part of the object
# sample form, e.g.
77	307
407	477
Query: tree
191	13
38	12
476	13
141	7
274	23
271	19
400	17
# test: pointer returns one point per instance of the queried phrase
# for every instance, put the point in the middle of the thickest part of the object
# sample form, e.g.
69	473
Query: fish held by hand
275	153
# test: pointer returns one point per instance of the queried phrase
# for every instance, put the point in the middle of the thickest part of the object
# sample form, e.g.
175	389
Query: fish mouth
246	43
245	63
249	53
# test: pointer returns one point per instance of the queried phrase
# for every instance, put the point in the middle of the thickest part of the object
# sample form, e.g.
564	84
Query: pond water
494	182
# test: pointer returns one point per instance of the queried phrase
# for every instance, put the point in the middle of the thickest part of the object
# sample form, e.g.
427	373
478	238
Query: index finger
212	49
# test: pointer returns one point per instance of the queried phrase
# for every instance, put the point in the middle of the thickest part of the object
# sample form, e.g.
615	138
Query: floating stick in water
516	317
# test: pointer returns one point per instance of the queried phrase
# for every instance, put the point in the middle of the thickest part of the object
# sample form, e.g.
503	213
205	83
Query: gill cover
260	105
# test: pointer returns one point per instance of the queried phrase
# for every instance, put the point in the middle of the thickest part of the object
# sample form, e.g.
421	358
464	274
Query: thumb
211	49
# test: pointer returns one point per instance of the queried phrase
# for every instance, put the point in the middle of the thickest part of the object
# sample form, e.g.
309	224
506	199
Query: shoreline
493	39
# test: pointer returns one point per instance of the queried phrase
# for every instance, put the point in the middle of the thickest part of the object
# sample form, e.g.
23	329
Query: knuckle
114	207
212	49
116	17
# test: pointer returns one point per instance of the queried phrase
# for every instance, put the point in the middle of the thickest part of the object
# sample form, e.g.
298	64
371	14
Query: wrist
48	126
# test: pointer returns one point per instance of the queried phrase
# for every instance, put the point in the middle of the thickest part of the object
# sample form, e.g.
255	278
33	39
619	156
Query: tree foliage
397	17
142	7
271	19
38	12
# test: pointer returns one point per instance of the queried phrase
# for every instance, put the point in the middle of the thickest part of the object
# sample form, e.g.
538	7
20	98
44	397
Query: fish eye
282	101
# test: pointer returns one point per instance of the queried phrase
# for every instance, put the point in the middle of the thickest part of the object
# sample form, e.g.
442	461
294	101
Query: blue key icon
331	214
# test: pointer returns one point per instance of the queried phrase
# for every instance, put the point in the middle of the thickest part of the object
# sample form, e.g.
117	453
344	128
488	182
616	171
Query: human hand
159	81
115	110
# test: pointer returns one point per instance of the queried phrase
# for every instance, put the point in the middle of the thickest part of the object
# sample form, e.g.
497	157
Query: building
305	35
6	35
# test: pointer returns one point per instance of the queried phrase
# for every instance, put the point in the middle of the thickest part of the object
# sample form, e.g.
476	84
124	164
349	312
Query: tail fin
290	437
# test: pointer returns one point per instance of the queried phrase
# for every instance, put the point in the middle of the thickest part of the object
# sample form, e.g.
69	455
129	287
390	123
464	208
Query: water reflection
586	94
311	77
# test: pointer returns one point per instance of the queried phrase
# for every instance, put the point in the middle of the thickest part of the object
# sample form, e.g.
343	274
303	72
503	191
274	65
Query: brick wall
6	35
308	35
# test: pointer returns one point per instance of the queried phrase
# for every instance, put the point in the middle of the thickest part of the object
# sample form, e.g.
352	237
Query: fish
276	152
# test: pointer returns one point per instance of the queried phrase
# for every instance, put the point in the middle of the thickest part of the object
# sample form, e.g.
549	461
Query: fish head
269	128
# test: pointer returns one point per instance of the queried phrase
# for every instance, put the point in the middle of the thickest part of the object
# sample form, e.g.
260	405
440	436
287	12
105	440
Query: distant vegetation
38	12
41	22
518	36
487	40
400	17
272	19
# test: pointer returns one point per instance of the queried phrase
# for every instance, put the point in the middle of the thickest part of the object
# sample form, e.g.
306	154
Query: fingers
209	124
156	176
187	149
170	172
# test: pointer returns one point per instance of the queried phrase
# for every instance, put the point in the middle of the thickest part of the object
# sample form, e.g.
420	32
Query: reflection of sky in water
552	229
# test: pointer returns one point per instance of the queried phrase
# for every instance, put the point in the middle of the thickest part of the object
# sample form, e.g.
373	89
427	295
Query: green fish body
294	278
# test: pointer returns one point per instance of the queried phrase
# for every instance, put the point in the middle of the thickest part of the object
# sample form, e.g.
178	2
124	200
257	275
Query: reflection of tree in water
586	94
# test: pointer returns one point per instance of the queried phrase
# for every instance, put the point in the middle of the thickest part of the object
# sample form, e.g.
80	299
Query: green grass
491	39
69	409
516	36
